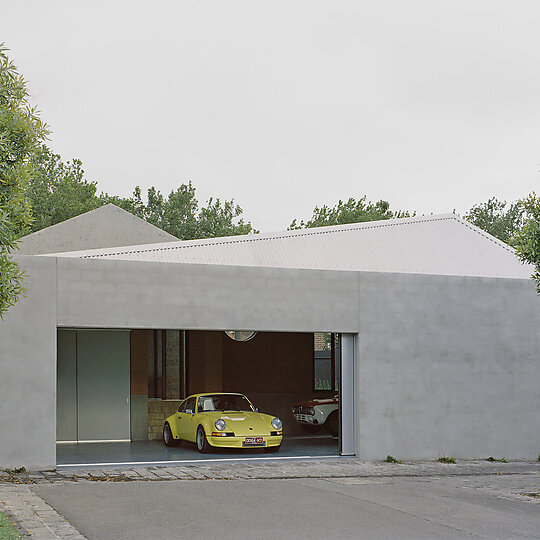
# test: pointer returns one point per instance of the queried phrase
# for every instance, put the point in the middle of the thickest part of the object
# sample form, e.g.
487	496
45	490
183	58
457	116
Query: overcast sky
284	105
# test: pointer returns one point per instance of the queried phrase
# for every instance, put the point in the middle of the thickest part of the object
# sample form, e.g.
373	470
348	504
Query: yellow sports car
222	421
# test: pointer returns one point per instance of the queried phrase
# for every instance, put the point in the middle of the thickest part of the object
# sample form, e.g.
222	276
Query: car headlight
220	424
276	423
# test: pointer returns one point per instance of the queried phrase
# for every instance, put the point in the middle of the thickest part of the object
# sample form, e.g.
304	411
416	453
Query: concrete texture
444	365
28	371
415	508
126	294
107	226
447	366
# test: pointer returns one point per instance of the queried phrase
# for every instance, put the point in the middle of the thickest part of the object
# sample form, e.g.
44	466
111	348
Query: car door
185	420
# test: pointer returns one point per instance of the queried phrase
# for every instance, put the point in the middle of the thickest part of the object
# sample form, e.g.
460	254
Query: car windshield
224	402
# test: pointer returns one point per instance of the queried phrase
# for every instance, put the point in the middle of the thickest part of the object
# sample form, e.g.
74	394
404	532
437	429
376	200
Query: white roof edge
162	246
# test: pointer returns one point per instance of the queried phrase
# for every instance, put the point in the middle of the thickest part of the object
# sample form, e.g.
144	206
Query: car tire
333	423
202	444
168	438
272	449
310	428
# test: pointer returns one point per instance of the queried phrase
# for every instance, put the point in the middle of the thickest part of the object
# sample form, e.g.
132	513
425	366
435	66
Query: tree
492	217
58	190
352	211
179	214
21	132
527	239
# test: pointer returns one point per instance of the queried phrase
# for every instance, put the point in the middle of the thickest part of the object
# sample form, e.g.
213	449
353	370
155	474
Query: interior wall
142	352
269	362
205	362
273	369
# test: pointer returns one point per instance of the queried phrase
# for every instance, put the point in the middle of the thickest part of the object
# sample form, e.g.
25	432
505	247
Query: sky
432	105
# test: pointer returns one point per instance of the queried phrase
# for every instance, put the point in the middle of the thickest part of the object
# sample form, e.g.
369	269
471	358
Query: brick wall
158	410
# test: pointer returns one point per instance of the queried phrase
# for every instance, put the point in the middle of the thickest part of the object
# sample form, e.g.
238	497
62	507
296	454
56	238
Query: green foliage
179	213
21	131
58	190
493	460
445	459
493	217
7	530
352	211
17	470
527	239
391	459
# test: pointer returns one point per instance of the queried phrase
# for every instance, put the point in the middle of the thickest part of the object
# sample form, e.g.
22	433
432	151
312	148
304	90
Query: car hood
315	402
244	423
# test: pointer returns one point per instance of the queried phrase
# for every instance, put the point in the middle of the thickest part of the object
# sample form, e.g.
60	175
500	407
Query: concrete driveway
486	506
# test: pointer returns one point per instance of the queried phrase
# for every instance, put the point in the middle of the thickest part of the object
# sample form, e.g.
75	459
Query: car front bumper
238	442
307	419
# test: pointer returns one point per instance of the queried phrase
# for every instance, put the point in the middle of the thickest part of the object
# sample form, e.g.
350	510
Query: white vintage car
312	415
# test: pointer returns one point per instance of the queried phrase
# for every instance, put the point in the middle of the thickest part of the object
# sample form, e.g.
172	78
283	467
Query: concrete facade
106	226
447	366
444	365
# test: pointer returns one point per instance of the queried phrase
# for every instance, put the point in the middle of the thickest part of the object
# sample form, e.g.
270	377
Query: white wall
447	366
28	372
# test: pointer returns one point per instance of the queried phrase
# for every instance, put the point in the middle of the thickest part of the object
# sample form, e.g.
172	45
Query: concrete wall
127	294
444	365
28	372
447	366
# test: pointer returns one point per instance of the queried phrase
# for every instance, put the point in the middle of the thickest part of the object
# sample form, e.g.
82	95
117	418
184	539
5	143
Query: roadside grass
391	459
493	460
446	459
18	470
7	530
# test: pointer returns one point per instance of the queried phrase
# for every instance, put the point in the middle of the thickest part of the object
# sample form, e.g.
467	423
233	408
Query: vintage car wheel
202	444
168	438
333	423
310	428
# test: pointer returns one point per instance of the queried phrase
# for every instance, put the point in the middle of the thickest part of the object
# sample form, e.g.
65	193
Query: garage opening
118	388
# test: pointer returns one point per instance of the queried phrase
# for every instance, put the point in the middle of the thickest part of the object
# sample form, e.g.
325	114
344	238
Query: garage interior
116	387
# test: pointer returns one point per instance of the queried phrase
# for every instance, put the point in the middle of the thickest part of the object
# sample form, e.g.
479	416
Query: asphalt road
391	507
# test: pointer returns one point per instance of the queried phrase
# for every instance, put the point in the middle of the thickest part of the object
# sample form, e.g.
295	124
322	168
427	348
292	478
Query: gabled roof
104	227
436	244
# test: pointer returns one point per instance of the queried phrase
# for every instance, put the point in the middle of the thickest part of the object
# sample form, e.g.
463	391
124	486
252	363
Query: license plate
254	441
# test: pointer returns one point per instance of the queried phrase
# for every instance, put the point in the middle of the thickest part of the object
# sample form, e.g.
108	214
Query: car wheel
272	449
202	443
309	428
168	438
333	423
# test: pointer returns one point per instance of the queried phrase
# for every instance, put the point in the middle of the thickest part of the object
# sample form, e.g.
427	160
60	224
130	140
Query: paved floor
391	507
155	451
288	498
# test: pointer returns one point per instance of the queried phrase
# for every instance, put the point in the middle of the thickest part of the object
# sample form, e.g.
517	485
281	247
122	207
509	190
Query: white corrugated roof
441	244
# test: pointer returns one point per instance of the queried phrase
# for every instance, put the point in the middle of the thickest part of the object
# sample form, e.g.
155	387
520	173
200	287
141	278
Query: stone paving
39	520
275	469
34	517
